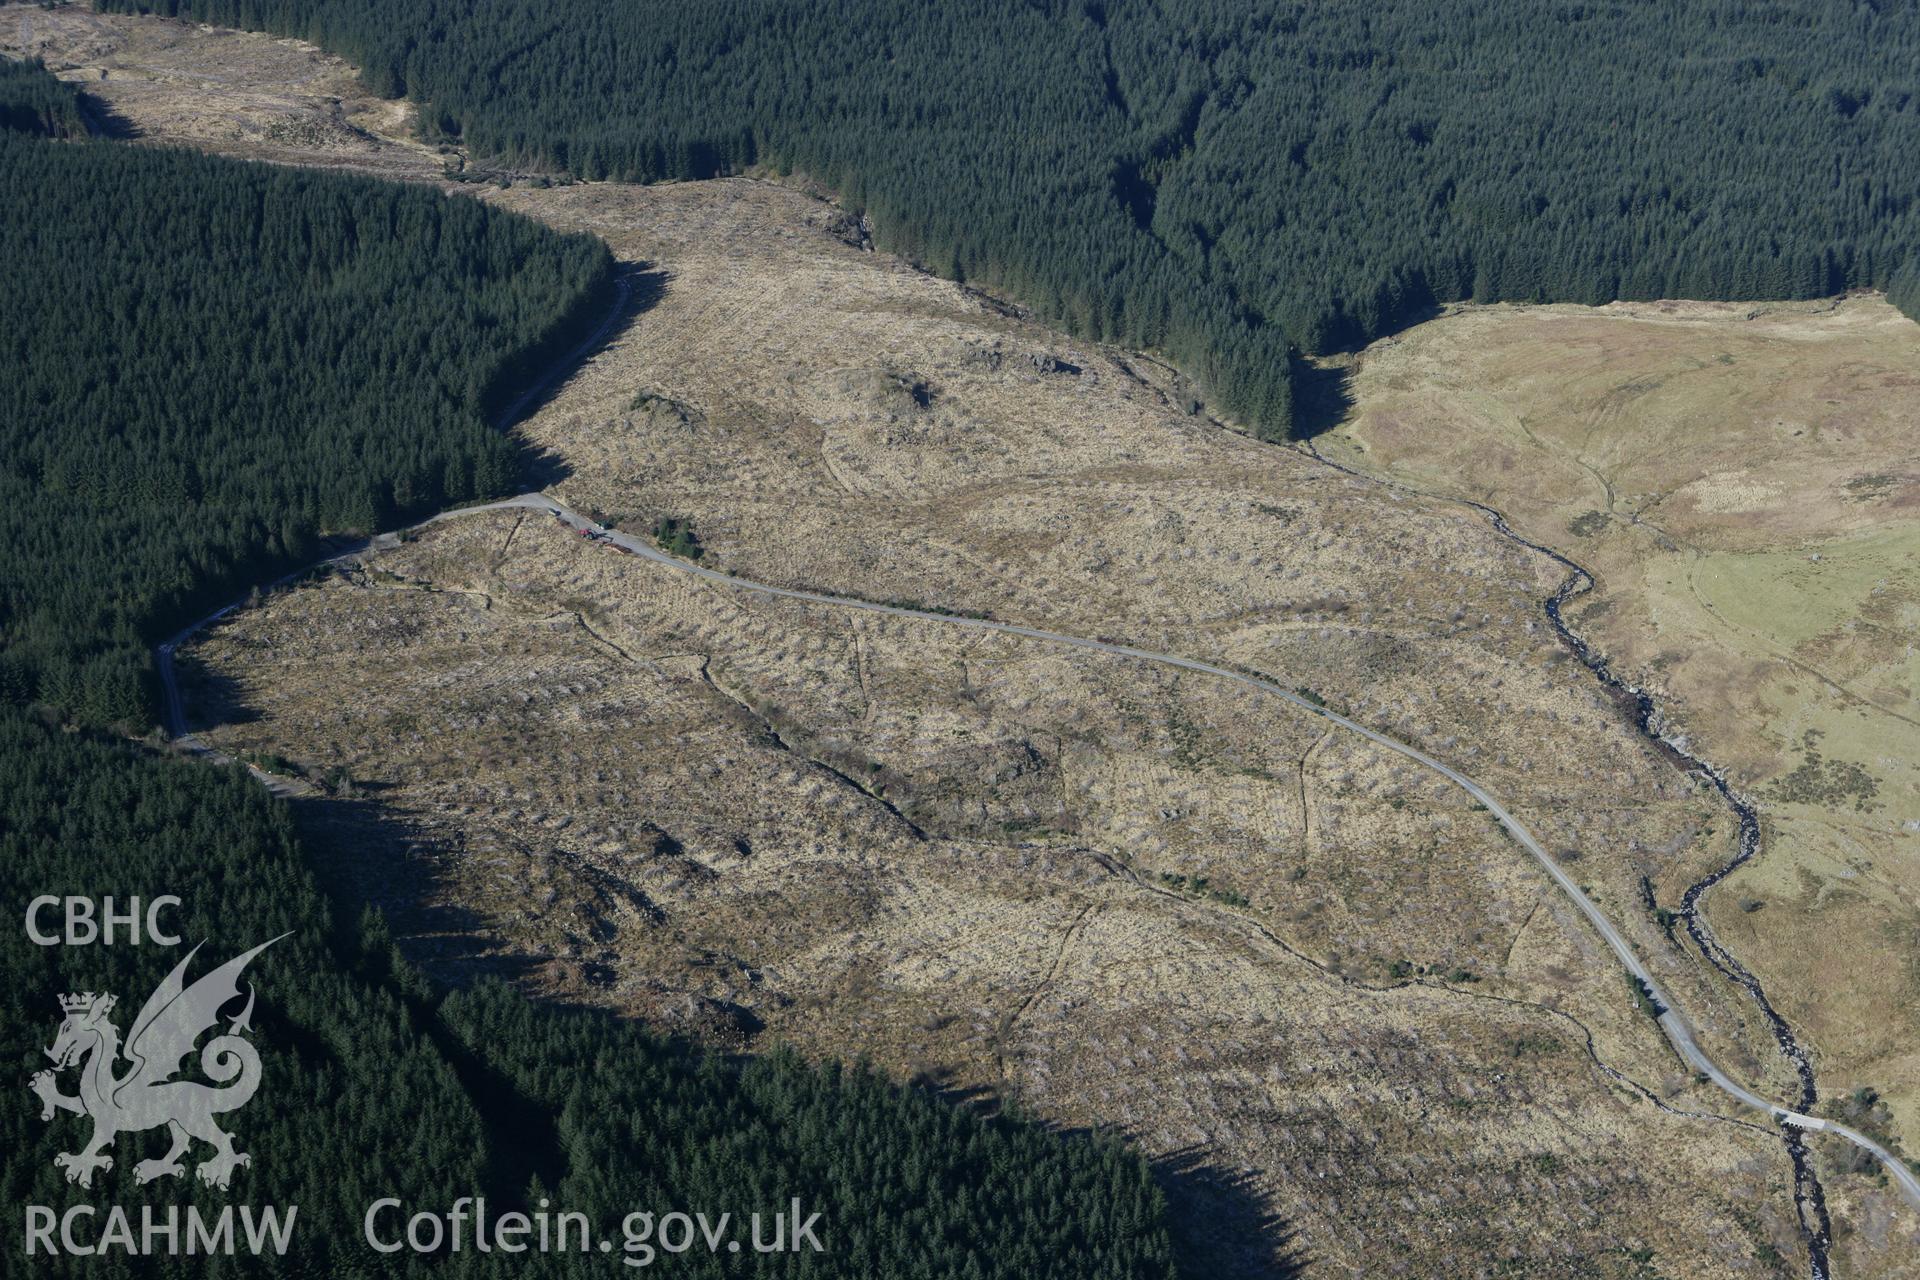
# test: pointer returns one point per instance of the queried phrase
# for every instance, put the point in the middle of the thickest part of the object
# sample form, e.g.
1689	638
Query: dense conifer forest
377	1084
1214	178
205	364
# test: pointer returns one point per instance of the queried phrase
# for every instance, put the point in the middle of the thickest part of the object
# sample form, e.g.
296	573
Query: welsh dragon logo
146	1096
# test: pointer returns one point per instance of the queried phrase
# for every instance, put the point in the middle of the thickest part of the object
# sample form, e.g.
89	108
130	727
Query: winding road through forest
1673	1023
1678	1031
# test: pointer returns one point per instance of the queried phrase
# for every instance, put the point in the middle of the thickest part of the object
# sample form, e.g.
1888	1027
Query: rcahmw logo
130	1087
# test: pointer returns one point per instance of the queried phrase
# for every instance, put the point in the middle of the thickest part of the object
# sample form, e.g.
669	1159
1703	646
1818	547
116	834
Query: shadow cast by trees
372	858
544	468
105	121
210	697
1222	1226
1322	398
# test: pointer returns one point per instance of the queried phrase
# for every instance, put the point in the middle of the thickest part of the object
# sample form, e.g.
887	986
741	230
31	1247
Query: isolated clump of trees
205	365
1222	180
